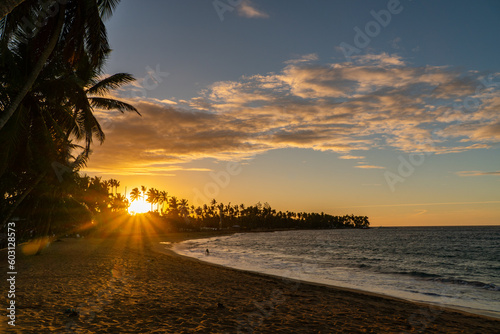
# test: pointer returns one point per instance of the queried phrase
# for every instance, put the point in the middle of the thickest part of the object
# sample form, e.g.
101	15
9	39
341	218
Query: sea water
451	266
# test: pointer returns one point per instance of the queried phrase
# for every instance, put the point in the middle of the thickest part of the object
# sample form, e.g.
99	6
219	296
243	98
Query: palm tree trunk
21	199
6	6
4	118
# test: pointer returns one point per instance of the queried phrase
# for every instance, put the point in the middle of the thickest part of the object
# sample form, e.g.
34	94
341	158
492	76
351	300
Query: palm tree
119	203
173	206
184	207
143	191
75	29
153	196
162	200
114	183
89	93
40	130
205	211
135	194
44	93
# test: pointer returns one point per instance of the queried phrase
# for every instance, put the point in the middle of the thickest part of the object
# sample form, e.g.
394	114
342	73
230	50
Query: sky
389	109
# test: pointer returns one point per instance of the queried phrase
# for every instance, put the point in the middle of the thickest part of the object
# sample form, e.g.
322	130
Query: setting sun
138	206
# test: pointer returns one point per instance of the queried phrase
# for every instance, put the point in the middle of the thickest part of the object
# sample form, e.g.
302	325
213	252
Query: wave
414	273
486	286
448	280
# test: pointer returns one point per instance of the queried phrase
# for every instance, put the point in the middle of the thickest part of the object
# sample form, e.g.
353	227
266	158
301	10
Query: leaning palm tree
76	28
50	84
57	107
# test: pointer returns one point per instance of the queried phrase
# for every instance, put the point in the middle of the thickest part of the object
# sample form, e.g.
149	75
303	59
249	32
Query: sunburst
138	206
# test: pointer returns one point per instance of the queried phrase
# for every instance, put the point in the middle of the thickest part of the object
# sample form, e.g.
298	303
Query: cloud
369	167
423	204
476	173
376	101
379	59
355	157
248	9
303	59
168	101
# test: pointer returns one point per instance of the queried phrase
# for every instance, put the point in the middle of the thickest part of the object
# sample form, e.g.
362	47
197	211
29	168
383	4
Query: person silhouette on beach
207	252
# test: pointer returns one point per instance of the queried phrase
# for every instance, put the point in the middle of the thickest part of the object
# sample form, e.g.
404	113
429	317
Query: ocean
450	266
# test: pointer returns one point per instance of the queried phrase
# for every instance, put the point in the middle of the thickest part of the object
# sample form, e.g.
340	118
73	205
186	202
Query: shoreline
469	311
123	284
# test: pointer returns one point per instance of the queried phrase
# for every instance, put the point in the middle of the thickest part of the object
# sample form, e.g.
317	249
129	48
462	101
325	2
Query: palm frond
106	7
111	104
112	82
89	126
80	161
96	39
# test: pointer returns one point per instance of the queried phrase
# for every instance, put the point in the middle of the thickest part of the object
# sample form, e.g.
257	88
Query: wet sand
131	284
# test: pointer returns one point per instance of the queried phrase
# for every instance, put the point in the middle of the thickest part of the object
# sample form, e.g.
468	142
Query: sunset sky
389	109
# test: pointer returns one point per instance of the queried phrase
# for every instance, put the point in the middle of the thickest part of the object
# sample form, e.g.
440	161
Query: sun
138	206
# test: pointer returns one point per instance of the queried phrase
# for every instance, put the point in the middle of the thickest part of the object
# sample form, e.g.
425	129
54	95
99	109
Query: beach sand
125	285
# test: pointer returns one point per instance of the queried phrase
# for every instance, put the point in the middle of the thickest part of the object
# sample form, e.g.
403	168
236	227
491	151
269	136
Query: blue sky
404	128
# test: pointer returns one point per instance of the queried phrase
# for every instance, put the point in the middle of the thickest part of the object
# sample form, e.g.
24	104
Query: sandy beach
132	284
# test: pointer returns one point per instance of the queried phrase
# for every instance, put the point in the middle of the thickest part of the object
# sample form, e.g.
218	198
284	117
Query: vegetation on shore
223	216
96	205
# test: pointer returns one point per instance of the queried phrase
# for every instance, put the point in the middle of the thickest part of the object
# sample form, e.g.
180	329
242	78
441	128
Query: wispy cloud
422	204
248	9
375	101
476	173
421	212
351	157
369	167
303	59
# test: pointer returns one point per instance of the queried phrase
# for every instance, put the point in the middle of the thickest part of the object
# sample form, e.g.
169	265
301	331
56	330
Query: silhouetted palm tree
152	197
85	93
173	206
183	207
76	29
135	194
162	200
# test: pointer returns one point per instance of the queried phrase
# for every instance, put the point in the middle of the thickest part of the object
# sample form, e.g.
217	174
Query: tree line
182	216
